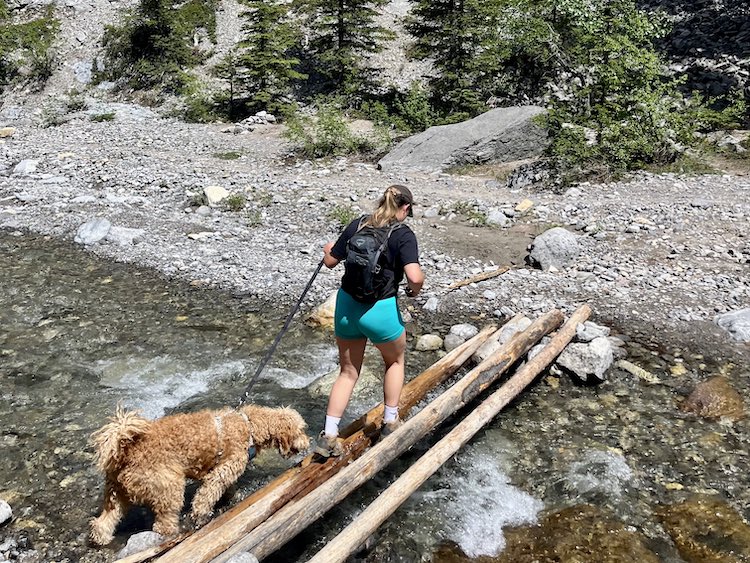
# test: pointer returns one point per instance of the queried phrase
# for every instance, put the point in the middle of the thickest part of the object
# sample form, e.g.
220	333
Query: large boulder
554	248
588	361
499	135
736	323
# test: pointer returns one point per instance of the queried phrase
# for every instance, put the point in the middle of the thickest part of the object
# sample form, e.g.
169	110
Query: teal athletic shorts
381	321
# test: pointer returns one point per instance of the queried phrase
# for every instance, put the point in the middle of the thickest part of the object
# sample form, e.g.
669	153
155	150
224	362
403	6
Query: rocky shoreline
662	252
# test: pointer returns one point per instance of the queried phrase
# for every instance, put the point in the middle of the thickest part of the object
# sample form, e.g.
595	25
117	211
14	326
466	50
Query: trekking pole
272	349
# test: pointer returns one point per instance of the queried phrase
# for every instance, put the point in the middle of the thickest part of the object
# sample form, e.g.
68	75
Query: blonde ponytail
386	213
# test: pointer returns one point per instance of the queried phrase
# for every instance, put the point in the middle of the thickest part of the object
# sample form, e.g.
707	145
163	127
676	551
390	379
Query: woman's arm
328	259
414	279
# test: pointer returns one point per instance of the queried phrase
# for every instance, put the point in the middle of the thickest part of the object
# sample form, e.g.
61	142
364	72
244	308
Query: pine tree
459	37
155	46
264	64
344	36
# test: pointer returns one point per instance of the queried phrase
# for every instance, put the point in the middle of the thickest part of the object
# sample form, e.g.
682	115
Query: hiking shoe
390	427
328	446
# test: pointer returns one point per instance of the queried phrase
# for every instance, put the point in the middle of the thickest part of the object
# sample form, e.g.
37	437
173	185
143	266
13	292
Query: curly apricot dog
148	462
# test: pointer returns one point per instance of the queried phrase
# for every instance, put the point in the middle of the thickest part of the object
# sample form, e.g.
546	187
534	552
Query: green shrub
154	45
109	116
76	101
325	135
343	215
471	212
230	155
236	202
25	48
254	218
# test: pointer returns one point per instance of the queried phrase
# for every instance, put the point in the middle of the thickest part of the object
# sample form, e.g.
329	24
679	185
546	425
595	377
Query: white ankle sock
332	425
391	414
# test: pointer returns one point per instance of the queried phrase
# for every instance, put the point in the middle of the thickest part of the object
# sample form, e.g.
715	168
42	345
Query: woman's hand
329	260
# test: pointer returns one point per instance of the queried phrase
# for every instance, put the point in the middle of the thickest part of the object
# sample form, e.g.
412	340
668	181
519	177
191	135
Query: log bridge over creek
276	513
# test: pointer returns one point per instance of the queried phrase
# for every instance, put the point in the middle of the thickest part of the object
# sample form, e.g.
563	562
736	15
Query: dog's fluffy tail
111	439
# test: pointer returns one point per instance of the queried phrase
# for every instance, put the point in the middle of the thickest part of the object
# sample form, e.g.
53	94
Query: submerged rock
707	529
578	533
715	398
139	542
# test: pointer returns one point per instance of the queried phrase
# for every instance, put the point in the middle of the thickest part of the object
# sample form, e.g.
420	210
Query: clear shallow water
78	335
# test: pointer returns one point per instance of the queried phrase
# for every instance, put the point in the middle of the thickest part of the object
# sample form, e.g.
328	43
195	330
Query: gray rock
6	513
82	71
736	323
93	231
512	327
431	305
428	342
494	344
464	330
139	542
124	236
243	558
497	217
587	361
452	341
499	135
587	331
25	167
83	199
556	247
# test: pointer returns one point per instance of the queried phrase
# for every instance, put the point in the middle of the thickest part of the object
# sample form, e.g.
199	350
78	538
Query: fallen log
211	540
355	534
477	278
299	513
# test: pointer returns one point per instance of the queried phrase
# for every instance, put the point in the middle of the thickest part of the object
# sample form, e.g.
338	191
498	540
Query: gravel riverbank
661	253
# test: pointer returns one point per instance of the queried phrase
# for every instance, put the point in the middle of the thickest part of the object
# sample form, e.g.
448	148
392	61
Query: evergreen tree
156	45
25	54
265	67
460	38
344	34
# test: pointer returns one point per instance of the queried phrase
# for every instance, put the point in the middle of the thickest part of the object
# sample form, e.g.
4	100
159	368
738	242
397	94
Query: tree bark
221	532
354	535
298	514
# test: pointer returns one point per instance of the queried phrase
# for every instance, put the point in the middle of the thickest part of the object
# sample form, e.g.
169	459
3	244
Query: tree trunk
354	535
298	514
220	533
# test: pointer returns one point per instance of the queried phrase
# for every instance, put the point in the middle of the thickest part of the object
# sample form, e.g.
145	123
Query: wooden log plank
477	278
355	534
298	514
218	534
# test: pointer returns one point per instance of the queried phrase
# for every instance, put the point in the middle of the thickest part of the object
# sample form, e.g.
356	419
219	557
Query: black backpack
368	276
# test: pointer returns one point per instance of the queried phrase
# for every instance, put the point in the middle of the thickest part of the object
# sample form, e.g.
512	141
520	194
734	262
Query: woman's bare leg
393	353
351	354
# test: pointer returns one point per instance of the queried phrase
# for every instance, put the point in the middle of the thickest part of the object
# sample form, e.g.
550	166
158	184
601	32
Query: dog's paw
196	521
98	535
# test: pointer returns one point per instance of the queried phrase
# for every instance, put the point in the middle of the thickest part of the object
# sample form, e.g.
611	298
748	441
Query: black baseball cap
404	196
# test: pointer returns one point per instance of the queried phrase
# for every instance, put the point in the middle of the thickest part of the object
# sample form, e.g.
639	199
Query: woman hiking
377	251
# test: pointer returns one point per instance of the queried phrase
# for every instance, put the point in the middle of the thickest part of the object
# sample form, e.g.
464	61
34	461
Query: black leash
272	349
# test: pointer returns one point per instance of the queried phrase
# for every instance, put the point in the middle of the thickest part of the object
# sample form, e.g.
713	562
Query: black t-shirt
402	248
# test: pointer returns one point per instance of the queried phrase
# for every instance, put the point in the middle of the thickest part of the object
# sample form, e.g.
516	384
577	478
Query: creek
80	335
